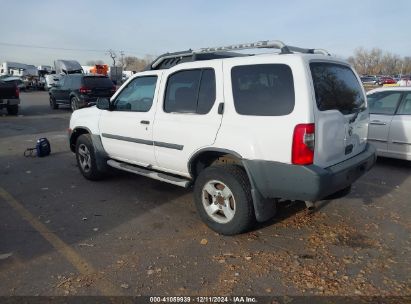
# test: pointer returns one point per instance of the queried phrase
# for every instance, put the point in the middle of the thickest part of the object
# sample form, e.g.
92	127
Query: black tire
90	171
236	179
53	103
74	103
12	109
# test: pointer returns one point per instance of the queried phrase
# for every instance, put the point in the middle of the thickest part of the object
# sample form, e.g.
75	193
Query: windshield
336	88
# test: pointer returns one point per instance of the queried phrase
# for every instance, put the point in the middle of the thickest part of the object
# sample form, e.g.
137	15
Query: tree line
379	62
366	62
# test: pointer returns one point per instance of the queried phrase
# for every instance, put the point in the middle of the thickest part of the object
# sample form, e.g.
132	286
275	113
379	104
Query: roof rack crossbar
265	44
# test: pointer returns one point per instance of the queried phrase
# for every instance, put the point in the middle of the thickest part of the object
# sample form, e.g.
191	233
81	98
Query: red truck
9	97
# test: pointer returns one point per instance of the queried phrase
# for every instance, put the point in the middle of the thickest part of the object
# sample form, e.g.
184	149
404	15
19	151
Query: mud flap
100	153
264	208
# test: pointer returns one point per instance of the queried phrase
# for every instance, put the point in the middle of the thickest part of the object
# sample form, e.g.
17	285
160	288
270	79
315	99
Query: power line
58	48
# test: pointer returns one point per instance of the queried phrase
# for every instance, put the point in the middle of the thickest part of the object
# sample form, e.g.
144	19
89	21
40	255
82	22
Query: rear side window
336	88
384	103
263	89
98	82
75	82
190	91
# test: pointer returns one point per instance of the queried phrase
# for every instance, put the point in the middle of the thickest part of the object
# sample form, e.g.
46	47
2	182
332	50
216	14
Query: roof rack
169	60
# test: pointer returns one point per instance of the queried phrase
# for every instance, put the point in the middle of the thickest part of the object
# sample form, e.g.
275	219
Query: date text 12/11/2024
203	299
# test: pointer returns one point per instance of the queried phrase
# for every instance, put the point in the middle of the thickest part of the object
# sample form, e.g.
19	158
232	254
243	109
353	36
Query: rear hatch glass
98	82
99	86
341	117
336	88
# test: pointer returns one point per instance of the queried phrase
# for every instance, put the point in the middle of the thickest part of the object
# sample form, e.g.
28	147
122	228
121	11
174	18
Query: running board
171	179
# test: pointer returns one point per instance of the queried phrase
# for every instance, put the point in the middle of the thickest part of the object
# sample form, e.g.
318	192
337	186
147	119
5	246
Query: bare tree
113	56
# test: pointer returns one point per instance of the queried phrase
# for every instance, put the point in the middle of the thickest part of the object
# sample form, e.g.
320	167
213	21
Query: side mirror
103	103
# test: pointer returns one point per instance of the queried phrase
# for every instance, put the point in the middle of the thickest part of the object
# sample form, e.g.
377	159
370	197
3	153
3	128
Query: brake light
303	144
17	92
85	90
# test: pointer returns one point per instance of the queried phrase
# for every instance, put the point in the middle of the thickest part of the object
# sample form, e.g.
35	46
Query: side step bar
171	179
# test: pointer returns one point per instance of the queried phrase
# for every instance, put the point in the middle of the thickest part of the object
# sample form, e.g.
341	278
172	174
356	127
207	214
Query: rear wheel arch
212	156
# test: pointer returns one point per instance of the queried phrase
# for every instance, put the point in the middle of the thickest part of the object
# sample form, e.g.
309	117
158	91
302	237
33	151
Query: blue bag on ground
43	147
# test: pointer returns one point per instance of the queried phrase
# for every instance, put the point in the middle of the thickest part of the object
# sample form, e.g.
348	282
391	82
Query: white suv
245	130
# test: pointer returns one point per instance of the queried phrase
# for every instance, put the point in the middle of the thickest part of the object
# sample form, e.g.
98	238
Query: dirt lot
128	235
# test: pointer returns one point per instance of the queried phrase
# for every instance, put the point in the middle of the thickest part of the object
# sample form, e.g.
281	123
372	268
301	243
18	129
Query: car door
188	118
66	89
127	130
382	105
399	138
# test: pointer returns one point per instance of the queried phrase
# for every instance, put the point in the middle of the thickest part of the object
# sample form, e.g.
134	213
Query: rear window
263	89
336	88
93	82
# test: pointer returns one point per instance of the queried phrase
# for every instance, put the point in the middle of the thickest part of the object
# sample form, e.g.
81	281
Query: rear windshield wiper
356	112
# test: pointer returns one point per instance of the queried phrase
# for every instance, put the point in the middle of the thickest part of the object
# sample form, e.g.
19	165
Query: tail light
303	144
17	92
85	90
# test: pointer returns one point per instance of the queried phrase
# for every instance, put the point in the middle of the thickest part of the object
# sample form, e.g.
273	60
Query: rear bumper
9	102
307	183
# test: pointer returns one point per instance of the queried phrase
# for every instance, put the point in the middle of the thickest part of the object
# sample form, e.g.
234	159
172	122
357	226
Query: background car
80	90
386	80
370	80
390	121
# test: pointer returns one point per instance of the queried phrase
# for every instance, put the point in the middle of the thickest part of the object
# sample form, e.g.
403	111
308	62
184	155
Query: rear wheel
86	158
223	199
12	109
53	103
74	104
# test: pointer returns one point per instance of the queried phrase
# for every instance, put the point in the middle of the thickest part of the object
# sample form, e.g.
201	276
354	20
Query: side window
137	96
75	83
405	108
263	89
68	82
190	91
383	102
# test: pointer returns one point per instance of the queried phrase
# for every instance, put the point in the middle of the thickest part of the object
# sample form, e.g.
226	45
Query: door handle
377	122
145	122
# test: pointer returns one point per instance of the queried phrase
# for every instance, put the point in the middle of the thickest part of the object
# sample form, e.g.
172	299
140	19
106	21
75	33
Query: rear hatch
341	115
99	86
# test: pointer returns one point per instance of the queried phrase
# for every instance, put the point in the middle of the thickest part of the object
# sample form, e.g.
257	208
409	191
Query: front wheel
86	158
223	199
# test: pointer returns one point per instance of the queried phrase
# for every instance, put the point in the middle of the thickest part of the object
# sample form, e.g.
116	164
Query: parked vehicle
9	97
369	80
51	80
67	67
386	80
80	90
390	121
243	130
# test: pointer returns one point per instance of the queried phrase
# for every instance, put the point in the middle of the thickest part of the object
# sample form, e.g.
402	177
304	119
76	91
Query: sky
84	30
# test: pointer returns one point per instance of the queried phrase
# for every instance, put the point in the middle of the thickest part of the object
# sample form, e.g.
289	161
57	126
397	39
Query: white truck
245	131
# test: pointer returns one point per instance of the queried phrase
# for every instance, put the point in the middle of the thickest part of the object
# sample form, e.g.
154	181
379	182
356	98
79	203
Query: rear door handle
145	122
377	122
